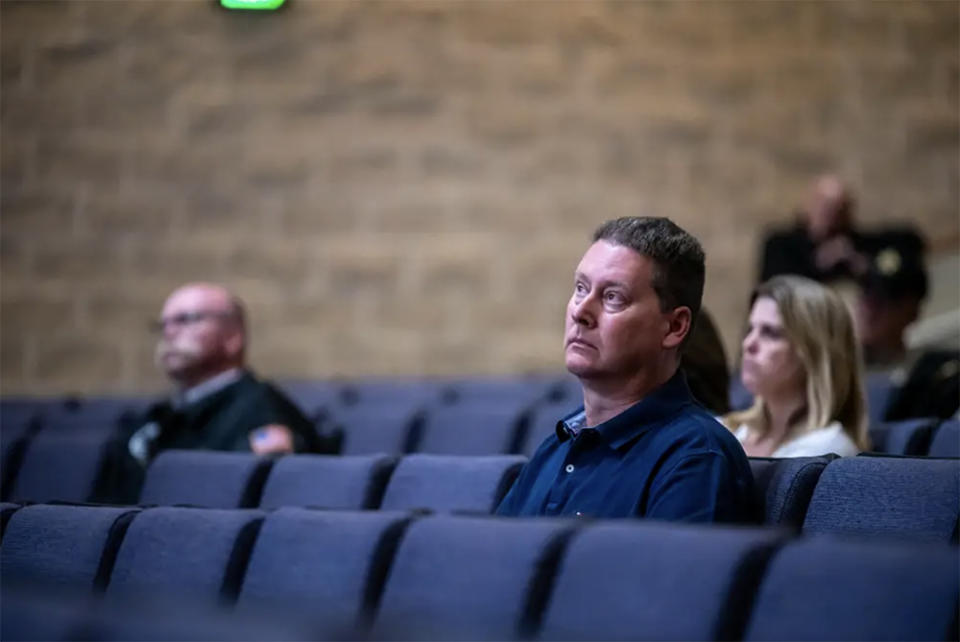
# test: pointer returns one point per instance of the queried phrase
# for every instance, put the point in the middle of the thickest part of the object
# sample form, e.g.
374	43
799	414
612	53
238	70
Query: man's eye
580	288
613	297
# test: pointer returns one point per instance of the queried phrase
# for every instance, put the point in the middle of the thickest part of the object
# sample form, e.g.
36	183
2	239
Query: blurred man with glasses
217	402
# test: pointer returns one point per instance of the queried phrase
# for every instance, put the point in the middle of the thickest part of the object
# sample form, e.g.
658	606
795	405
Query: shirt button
569	468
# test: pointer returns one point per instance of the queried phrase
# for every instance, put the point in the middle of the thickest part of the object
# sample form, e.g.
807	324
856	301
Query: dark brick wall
405	187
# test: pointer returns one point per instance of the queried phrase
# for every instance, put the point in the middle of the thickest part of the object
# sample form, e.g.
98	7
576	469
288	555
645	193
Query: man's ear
680	321
234	342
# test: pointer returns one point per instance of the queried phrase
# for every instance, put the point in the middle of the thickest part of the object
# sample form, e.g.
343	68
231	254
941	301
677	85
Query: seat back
543	423
655	581
825	589
205	478
79	460
466	578
370	428
327	481
329	564
912	498
784	487
470	428
447	483
946	440
905	437
880	390
63	546
189	552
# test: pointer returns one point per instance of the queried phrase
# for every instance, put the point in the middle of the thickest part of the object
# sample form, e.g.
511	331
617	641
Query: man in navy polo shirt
640	445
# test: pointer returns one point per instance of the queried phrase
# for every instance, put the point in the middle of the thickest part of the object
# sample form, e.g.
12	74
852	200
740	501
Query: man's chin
580	367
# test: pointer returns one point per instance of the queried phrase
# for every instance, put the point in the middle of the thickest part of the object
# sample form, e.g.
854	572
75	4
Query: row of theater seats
38	437
907	498
298	573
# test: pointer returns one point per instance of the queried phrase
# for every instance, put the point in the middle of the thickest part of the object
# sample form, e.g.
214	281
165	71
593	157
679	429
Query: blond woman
802	364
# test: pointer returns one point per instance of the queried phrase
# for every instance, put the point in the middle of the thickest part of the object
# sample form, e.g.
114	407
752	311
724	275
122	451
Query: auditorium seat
205	478
906	437
656	581
784	487
380	427
330	565
825	589
312	397
382	392
543	423
467	578
61	466
327	481
880	391
470	428
14	438
197	553
29	613
448	483
524	391
7	509
946	440
62	546
910	498
94	414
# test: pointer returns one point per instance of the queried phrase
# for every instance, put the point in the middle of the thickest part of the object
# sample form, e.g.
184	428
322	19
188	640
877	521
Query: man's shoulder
694	430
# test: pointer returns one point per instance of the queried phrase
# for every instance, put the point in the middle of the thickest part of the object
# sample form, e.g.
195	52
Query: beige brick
406	187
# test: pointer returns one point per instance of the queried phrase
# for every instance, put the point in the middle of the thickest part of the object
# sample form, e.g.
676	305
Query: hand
271	440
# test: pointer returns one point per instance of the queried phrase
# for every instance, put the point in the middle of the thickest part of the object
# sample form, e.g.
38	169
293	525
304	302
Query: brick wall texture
405	187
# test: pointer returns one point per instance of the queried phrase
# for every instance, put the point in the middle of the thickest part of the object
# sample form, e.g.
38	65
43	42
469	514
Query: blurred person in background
802	364
217	403
826	244
891	294
926	382
823	244
640	445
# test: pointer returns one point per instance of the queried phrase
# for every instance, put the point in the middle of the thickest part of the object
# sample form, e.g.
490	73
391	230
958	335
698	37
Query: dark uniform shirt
665	457
220	420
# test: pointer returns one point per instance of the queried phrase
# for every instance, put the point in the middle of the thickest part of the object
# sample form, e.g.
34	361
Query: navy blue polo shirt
665	457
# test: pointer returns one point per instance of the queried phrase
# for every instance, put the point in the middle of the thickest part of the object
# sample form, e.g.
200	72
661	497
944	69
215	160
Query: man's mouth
577	341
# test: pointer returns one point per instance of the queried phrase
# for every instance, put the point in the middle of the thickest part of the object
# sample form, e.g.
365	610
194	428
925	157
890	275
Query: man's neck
198	389
604	399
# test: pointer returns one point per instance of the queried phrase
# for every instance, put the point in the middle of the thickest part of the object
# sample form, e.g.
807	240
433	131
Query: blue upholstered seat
471	428
906	437
78	460
656	581
946	440
205	478
375	427
466	578
328	564
447	483
191	552
327	481
784	487
824	589
543	423
62	546
911	498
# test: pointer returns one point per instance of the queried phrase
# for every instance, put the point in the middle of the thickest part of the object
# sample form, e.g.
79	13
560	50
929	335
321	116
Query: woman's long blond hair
818	325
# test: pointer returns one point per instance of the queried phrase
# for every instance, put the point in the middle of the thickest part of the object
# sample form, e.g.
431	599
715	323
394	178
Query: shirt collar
658	406
206	388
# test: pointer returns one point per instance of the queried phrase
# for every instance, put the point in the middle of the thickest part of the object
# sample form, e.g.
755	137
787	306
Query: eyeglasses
185	319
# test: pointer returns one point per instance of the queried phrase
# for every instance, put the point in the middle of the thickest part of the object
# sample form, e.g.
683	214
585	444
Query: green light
259	5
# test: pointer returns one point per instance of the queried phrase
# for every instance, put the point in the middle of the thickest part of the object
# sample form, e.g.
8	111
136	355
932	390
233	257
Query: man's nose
582	313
